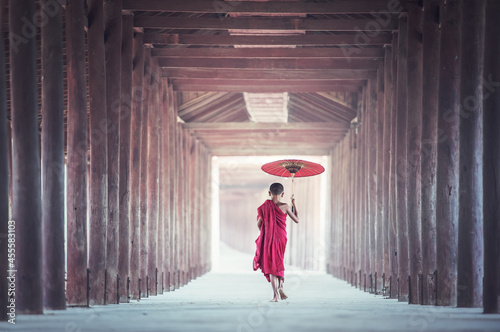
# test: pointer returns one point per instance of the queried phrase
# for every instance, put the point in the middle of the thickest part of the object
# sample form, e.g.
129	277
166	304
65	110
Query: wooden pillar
25	161
77	155
359	194
145	278
165	183
174	192
180	221
4	180
470	219
185	209
161	180
208	221
381	206
447	155
491	172
413	152
372	174
135	165
363	195
401	160
53	159
113	51
170	163
430	99
124	252
386	164
393	227
99	123
152	170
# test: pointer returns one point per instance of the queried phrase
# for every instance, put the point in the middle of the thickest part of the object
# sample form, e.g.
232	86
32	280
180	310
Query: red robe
271	242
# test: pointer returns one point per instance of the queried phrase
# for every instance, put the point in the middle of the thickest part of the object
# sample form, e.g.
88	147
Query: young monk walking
271	242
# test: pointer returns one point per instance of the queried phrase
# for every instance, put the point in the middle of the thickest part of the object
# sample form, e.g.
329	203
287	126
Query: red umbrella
293	168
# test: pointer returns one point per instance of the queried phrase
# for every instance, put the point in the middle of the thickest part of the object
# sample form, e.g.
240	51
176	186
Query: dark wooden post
470	219
165	184
152	170
124	254
447	155
363	195
53	158
393	234
168	166
371	124
491	172
401	170
4	180
414	137
381	206
76	189
99	123
174	194
25	160
135	165
180	212
430	37
385	155
182	204
161	180
113	50
144	174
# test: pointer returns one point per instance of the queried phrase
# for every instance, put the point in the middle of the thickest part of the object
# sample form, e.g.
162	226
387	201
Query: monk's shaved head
276	189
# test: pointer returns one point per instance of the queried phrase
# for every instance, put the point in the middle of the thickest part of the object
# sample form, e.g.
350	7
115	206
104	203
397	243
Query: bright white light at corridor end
267	107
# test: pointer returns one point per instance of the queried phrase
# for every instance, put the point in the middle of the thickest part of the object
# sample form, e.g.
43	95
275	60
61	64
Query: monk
271	242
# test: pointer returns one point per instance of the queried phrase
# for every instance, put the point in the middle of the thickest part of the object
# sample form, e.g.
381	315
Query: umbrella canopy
293	168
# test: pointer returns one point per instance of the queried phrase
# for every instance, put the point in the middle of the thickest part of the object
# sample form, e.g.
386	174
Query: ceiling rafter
274	7
262	23
268	74
297	40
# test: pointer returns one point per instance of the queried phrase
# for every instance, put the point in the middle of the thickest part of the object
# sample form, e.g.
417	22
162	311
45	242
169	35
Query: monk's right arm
259	222
294	208
293	214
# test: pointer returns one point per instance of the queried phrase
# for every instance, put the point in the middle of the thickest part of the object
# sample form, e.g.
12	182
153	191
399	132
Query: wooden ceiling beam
269	151
307	101
314	110
273	64
263	23
360	40
199	102
327	103
267	89
210	114
270	83
265	53
311	74
275	7
194	110
252	126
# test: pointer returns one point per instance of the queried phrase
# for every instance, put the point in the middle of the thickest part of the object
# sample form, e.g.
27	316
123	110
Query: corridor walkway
237	301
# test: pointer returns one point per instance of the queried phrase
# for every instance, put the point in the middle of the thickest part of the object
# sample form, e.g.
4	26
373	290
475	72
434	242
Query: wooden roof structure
213	52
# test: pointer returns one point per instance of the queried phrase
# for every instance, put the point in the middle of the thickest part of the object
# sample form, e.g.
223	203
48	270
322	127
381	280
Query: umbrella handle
293	177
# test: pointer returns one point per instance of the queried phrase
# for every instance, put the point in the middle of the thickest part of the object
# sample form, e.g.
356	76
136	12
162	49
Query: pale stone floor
238	301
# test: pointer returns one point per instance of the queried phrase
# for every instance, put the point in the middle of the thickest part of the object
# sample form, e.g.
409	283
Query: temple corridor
132	135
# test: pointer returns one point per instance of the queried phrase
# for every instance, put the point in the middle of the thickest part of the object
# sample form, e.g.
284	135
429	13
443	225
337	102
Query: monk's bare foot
283	295
274	300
